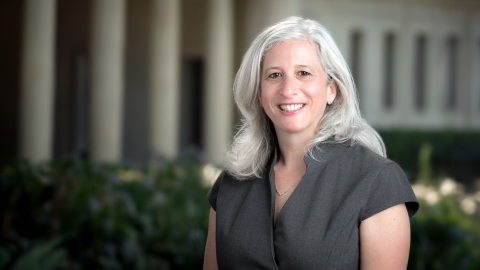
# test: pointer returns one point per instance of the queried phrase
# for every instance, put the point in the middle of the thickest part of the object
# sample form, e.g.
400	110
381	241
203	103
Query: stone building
138	79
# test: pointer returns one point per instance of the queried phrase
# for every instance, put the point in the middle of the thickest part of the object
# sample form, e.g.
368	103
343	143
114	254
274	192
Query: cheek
321	101
319	95
323	109
264	97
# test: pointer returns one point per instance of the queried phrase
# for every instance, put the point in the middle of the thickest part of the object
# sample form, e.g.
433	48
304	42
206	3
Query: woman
306	183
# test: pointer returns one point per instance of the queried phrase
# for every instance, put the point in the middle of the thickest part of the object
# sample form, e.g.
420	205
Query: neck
292	150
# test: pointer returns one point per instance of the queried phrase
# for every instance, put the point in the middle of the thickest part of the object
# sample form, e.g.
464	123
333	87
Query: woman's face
294	90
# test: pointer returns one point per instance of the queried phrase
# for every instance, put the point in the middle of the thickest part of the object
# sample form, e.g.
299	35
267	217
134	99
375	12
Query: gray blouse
318	227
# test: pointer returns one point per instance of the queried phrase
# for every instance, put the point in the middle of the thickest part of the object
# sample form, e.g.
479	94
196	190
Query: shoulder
223	177
213	193
387	182
227	186
379	167
368	157
361	160
354	163
381	182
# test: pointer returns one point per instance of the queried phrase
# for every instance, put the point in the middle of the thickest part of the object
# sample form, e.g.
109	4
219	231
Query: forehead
296	49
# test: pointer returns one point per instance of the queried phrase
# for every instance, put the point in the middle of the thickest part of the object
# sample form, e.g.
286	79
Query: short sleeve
389	188
213	193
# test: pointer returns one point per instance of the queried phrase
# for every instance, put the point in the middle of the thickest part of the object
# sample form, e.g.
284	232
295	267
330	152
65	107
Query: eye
274	75
303	73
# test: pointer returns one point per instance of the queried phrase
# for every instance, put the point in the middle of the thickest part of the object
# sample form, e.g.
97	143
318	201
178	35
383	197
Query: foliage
107	216
41	257
444	236
78	215
446	229
424	162
453	153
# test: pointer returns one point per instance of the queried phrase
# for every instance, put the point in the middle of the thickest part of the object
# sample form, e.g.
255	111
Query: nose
288	87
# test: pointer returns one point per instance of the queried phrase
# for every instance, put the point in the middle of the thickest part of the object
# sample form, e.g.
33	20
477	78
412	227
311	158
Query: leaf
4	257
42	257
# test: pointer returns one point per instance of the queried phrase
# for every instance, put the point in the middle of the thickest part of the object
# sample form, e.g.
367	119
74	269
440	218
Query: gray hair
255	140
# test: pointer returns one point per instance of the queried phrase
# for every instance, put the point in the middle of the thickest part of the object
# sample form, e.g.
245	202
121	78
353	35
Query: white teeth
291	107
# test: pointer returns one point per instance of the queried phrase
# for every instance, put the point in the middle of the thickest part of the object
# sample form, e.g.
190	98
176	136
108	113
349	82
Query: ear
331	92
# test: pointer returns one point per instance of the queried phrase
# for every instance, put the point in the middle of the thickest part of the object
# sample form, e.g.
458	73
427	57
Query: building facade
136	80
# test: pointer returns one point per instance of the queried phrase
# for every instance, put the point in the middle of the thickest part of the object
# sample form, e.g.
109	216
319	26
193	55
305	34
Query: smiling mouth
291	107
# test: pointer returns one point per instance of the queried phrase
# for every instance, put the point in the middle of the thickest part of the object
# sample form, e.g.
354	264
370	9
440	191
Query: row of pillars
106	91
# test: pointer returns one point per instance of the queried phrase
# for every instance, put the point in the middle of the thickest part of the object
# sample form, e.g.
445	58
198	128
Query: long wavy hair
255	140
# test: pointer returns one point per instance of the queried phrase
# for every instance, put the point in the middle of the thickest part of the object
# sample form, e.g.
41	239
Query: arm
210	262
385	239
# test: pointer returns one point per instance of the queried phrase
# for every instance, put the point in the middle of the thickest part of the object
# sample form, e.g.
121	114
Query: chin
294	129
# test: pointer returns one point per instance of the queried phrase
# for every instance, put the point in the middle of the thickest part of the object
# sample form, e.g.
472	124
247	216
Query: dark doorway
191	103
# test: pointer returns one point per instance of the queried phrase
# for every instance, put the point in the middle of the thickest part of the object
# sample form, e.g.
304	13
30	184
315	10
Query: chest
317	227
285	183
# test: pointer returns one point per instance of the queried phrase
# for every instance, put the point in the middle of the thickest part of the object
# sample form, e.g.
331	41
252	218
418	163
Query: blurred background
115	116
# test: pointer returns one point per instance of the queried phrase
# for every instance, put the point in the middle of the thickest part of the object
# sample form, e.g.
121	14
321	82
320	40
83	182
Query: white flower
426	193
131	175
432	197
209	174
448	187
468	205
420	190
477	196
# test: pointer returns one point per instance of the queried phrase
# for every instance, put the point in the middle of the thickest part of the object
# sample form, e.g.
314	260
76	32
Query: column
474	78
164	78
106	96
218	106
371	76
37	81
277	10
404	84
436	80
465	65
261	14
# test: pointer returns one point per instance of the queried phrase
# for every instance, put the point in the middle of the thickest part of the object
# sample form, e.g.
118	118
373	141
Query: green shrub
78	215
41	257
111	217
454	154
444	237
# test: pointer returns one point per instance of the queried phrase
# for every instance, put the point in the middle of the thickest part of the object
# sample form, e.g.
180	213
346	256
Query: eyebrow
302	66
274	67
296	66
